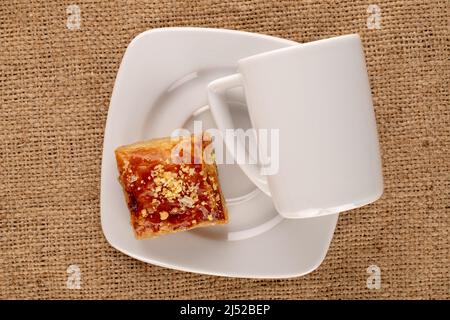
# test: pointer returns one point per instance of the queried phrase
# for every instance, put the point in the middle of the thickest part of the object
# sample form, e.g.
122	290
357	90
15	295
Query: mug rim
351	36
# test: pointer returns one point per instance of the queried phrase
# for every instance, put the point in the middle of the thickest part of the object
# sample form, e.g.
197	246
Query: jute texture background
55	86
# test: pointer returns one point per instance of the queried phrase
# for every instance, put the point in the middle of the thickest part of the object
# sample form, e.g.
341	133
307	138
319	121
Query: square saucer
161	86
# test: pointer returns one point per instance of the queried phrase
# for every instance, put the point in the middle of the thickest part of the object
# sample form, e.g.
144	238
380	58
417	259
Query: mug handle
222	117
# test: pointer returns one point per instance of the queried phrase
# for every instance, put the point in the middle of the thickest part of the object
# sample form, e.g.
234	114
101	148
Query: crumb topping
162	193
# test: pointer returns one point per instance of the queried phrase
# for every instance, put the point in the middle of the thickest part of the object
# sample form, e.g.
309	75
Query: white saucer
160	87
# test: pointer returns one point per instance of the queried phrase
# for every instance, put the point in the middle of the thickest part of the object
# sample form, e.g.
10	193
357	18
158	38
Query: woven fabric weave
55	86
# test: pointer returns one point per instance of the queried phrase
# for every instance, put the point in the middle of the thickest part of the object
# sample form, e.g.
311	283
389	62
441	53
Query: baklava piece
169	185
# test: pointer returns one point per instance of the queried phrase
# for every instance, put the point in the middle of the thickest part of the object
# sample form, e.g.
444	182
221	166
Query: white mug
317	96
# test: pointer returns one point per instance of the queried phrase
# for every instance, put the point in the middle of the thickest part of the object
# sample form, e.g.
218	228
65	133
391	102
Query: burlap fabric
55	87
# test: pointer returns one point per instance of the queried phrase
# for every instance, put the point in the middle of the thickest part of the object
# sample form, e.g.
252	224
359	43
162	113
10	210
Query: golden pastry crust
170	185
